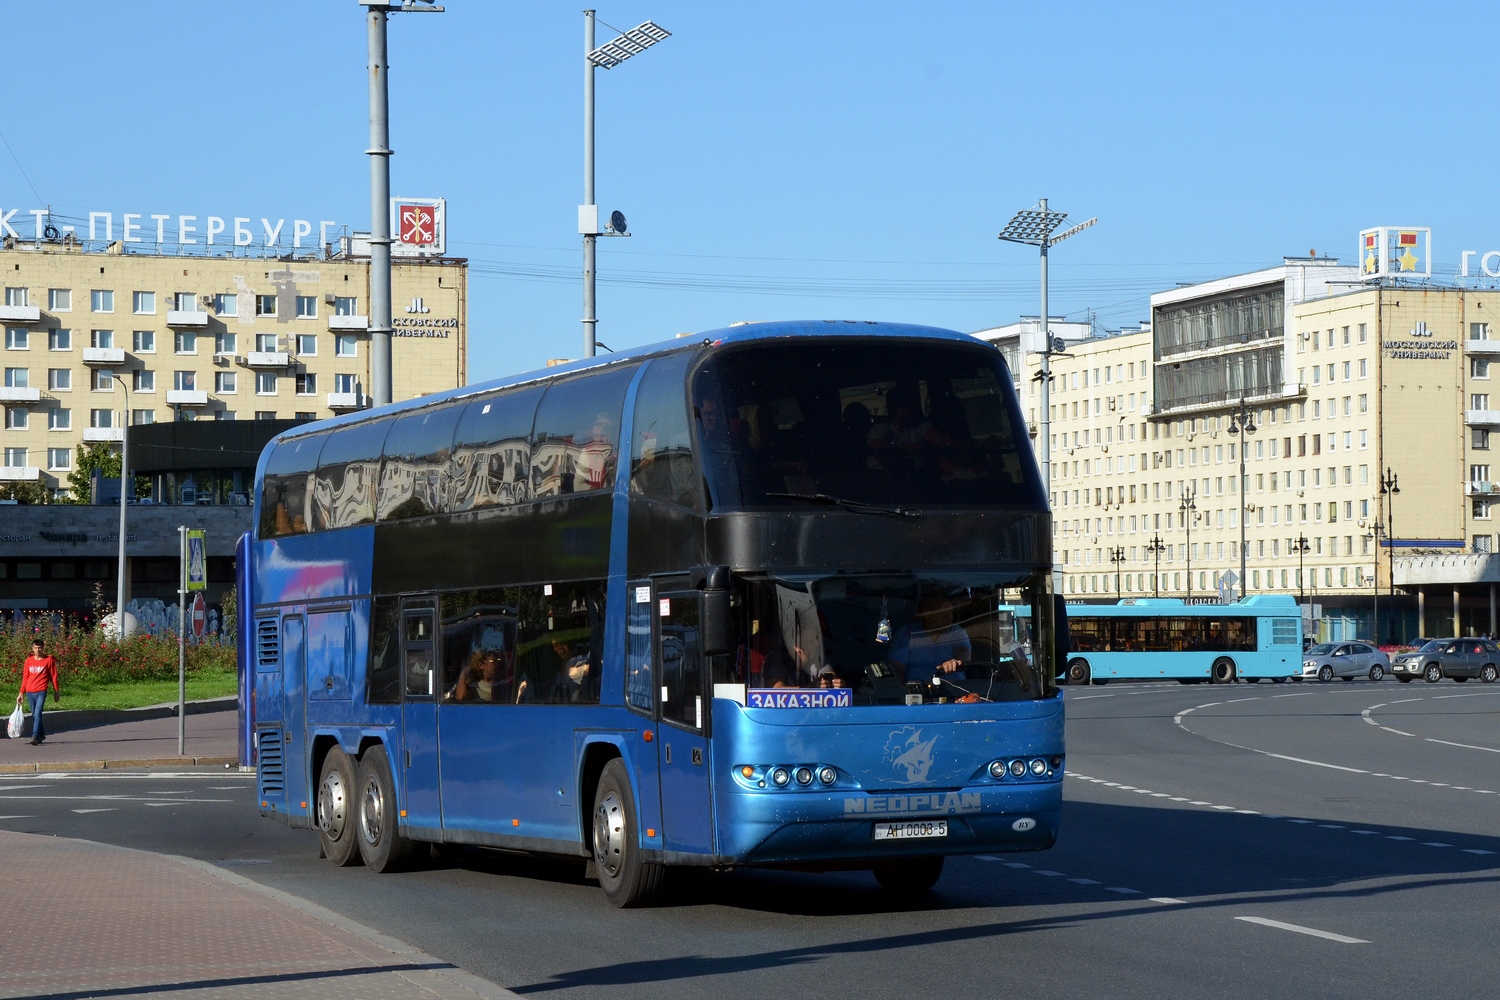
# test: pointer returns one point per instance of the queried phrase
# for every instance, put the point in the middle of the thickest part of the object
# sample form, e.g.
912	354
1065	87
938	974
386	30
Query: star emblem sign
1407	260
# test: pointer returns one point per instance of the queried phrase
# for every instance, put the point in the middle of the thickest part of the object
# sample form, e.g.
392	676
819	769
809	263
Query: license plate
911	831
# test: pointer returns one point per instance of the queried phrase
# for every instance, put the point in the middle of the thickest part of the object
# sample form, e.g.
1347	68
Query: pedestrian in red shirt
37	672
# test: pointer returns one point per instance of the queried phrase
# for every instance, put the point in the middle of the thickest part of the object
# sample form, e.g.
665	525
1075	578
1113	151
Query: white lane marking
94	798
1365	833
1466	746
1475	850
1238	700
1015	864
986	857
1083	881
1299	694
1405	701
1050	874
1393	837
1246	812
1221	807
1124	891
1329	826
1169	900
1199	802
17	817
1299	821
16	788
1434	843
108	809
46	776
1299	929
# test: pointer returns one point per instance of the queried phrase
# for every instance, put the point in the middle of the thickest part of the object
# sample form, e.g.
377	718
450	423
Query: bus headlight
780	777
1038	767
804	775
1018	768
997	769
827	775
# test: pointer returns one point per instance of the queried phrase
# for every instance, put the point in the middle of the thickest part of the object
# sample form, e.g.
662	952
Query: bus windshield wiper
856	505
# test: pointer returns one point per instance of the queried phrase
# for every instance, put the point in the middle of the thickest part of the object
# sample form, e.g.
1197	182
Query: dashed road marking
17	817
1124	891
1168	900
110	809
1299	929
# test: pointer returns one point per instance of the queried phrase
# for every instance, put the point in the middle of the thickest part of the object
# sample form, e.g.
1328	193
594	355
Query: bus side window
661	455
577	434
383	680
639	693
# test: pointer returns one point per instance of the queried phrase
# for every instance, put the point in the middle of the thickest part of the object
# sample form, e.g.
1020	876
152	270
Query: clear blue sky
848	160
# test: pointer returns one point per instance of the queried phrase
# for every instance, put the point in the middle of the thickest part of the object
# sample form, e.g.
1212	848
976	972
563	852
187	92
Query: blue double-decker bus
731	600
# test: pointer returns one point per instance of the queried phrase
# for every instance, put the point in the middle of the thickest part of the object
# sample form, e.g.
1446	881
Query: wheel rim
372	812
1488	675
1433	673
1376	673
332	805
609	833
1326	674
1077	672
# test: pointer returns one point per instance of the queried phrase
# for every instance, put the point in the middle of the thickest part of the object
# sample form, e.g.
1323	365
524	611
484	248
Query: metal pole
1046	422
1376	634
1244	422
380	213
590	320
124	478
181	639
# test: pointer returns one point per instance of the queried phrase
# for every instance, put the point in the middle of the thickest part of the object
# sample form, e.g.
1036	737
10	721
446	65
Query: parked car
1348	660
1452	657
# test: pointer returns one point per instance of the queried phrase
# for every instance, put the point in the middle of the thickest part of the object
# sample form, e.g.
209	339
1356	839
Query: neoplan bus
727	601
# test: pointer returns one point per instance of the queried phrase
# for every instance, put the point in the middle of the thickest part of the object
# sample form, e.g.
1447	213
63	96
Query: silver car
1348	660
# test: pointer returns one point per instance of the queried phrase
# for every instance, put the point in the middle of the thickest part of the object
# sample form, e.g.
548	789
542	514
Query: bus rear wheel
1224	671
626	878
335	809
911	877
1079	672
380	840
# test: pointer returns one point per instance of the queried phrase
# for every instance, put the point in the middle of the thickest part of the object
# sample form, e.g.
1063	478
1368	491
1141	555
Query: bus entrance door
420	805
686	794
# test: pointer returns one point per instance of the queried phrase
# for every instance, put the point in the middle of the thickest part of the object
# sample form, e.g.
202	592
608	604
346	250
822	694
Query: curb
87	718
45	767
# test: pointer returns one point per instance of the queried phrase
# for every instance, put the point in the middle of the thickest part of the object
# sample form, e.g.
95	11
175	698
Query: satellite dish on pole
1059	346
617	221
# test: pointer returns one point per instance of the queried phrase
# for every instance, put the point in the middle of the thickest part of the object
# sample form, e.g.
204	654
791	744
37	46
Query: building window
15	418
1364	403
1479	473
143	341
227	305
102	300
224	343
344	383
1479	368
17	297
265	383
186	415
1481	510
102	338
307	344
143	416
101	418
143	303
59	340
60	379
185	302
346	305
265	305
59	300
104	380
305	416
1479	331
1364	440
307	384
1479	401
184	380
224	382
15	338
345	345
1363	333
59	419
1482	542
307	307
1364	368
265	414
265	343
185	342
1480	440
145	381
17	378
59	458
15	458
223	414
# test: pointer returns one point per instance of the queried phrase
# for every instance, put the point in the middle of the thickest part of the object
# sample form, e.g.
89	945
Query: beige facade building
1344	383
199	337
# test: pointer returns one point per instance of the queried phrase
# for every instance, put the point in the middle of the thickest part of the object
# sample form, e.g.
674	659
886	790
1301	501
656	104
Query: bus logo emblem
909	753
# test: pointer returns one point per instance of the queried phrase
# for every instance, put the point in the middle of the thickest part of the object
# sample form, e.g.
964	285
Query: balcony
10	394
91	434
1476	488
345	401
178	319
107	357
19	474
1482	418
20	314
360	323
268	359
187	397
1482	346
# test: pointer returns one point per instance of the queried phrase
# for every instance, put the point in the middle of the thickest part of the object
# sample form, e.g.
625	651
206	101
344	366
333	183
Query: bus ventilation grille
1284	631
267	644
272	779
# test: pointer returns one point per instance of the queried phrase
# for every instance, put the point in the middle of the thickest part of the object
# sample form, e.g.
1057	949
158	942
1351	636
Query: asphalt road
1270	840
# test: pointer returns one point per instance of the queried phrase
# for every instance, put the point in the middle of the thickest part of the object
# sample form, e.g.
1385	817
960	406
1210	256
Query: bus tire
1278	680
909	877
380	840
1078	671
626	878
335	809
1224	671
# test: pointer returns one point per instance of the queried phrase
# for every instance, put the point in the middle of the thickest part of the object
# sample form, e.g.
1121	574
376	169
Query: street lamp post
125	477
1241	422
1157	547
1034	227
380	191
1375	533
1301	547
609	55
1188	509
1117	556
1389	487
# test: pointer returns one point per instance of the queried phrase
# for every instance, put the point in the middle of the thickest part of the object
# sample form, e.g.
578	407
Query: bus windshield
883	422
887	636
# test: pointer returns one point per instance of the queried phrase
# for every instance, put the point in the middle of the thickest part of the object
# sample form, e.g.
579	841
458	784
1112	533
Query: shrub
90	656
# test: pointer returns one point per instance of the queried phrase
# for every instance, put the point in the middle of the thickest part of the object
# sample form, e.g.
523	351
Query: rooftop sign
1395	252
159	228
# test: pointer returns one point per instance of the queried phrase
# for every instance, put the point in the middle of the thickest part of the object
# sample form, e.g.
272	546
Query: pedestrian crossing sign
197	561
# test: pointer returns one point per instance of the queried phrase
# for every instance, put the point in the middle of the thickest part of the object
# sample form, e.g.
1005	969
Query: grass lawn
205	684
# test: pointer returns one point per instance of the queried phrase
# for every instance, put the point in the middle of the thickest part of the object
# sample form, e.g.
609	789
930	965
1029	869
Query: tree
25	493
101	456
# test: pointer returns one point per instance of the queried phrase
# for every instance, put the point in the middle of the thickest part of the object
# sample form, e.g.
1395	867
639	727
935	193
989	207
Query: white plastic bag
14	724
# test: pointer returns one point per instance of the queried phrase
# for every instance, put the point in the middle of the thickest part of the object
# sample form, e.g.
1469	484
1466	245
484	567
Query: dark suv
1456	658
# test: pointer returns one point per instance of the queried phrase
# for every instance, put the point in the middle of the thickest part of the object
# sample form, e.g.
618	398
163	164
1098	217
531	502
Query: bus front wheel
380	840
1224	671
335	809
1079	672
626	878
911	877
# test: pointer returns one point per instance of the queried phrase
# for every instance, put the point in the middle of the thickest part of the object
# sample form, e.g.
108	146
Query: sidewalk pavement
149	742
111	921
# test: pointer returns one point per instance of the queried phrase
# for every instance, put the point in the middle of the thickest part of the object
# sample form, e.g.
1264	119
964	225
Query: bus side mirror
1062	642
717	623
